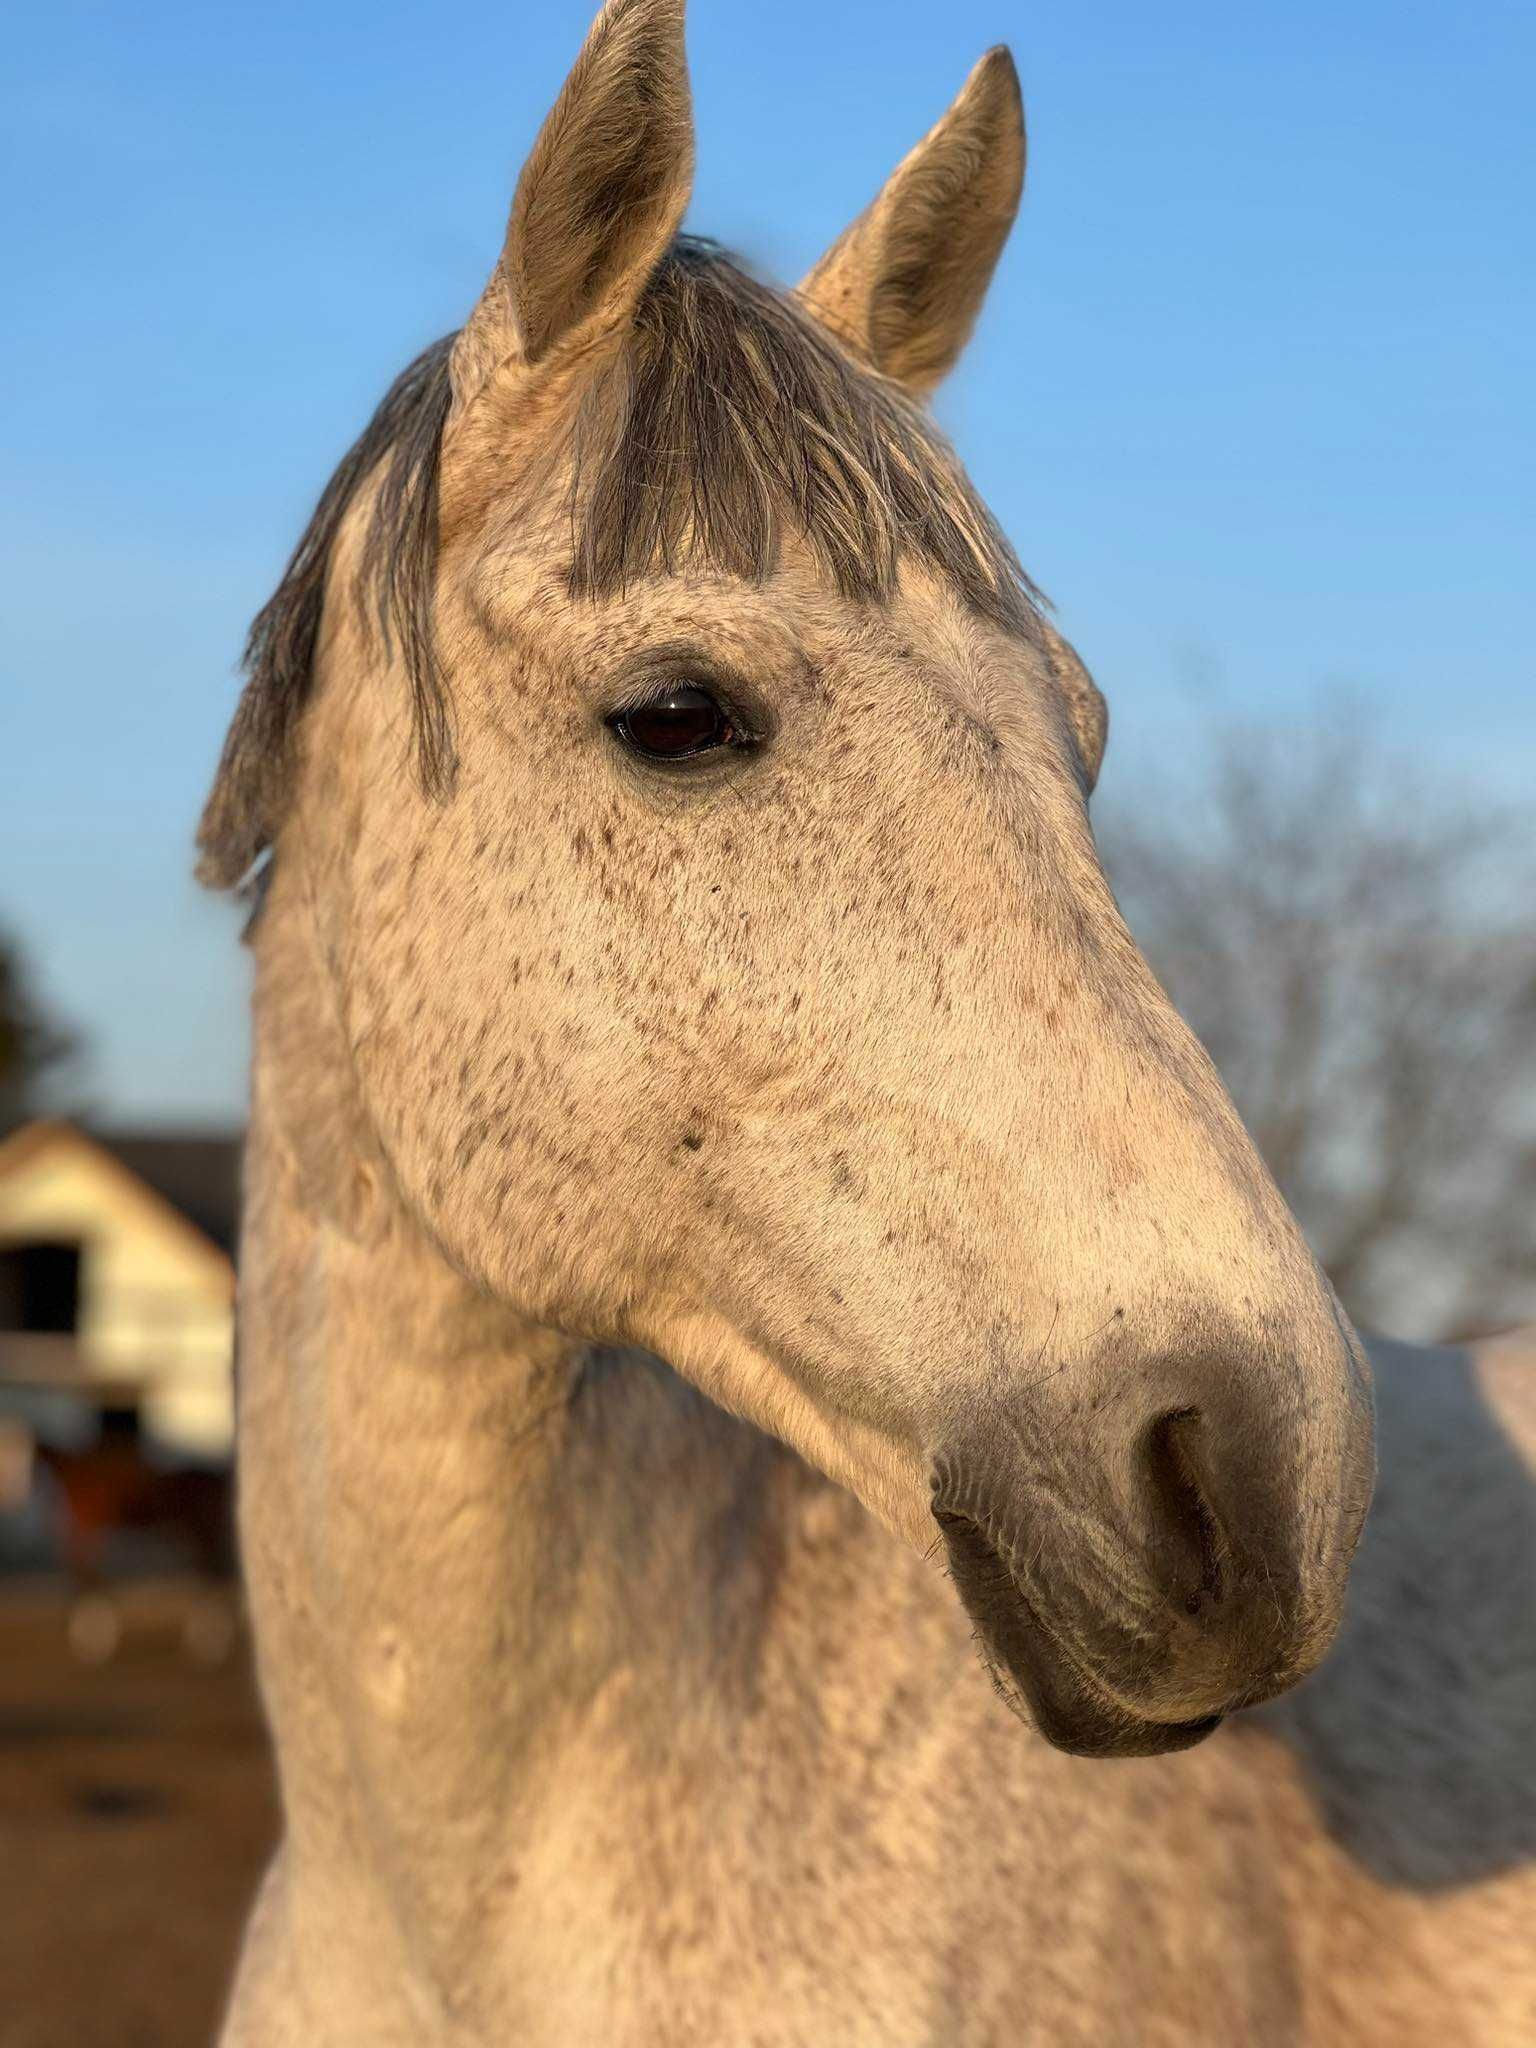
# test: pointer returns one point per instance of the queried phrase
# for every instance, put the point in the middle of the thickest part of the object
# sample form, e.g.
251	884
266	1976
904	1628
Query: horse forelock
730	419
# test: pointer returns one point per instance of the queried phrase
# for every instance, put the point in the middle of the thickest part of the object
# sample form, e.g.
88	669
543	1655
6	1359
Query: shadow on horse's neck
1415	1735
627	1520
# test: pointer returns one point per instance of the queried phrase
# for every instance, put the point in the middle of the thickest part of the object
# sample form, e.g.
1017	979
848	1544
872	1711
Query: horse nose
1186	1539
1135	1581
1219	1532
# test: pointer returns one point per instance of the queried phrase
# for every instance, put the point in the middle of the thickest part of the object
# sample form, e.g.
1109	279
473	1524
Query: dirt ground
136	1811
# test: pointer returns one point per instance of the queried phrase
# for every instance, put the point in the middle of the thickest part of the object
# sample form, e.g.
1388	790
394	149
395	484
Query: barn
117	1280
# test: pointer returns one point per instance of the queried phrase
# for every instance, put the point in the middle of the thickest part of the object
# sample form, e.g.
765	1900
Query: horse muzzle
1129	1594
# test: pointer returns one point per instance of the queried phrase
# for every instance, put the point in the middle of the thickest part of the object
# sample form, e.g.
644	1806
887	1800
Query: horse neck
462	1533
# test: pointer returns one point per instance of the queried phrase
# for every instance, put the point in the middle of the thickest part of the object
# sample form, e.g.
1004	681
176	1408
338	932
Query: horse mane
730	416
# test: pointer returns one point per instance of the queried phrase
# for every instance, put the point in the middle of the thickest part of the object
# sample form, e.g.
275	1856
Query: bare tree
1356	952
30	1042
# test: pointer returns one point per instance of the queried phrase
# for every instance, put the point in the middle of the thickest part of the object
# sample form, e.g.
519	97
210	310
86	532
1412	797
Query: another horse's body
735	983
113	1486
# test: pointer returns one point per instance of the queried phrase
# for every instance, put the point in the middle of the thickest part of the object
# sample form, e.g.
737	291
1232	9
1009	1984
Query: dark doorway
40	1288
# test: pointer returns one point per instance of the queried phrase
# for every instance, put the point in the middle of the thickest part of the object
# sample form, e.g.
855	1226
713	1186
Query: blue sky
1253	392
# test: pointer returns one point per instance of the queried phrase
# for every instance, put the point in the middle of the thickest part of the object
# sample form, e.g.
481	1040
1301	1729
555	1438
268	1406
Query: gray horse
680	938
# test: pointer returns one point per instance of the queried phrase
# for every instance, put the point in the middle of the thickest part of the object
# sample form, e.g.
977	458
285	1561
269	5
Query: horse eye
685	722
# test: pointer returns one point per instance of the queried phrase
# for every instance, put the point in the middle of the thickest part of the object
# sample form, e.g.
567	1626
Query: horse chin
1070	1710
1040	1680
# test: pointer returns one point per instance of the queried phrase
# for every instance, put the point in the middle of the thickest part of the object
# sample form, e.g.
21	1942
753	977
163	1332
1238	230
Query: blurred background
1253	396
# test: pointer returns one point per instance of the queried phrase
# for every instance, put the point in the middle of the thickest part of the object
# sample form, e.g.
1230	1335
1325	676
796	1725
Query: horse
111	1488
781	1417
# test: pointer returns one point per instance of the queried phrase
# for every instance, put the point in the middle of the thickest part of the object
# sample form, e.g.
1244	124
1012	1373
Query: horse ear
903	285
599	200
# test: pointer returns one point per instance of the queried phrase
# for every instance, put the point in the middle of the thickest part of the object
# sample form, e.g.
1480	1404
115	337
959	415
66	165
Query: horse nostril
1185	1528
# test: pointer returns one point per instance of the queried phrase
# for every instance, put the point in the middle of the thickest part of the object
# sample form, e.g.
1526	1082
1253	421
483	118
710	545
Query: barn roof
196	1172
